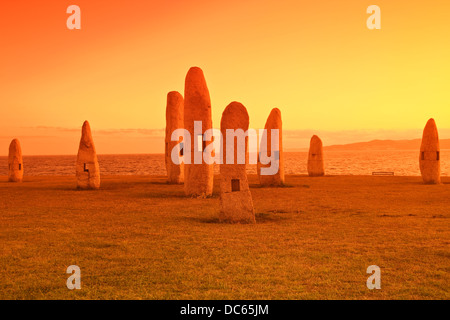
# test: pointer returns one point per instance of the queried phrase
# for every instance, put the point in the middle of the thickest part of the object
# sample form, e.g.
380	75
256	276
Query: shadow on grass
97	245
397	215
263	217
59	188
165	183
204	220
260	218
172	195
257	185
153	195
439	216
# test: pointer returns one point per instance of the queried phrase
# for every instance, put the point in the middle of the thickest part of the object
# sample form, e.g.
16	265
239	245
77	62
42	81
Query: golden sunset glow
221	156
316	61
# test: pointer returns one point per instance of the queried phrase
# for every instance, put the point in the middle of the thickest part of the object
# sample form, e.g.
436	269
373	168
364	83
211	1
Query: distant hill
385	145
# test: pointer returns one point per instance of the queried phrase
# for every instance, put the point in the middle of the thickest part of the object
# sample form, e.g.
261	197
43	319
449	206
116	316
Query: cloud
135	131
151	138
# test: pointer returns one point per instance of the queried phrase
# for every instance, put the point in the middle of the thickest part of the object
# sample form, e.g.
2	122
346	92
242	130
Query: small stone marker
273	122
430	158
88	170
174	121
236	204
198	178
315	158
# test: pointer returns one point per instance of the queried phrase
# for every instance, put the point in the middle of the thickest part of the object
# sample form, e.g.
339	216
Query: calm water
403	163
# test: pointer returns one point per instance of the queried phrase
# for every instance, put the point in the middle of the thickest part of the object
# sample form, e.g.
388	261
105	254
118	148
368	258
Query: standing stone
88	170
315	157
174	121
198	178
235	198
273	122
429	158
15	162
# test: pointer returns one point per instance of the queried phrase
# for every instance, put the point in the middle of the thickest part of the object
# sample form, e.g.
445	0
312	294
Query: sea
402	163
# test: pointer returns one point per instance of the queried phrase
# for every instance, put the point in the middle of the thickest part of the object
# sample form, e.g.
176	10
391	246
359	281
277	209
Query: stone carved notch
235	185
181	149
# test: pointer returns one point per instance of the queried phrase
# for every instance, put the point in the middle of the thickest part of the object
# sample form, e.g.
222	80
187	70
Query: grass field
139	238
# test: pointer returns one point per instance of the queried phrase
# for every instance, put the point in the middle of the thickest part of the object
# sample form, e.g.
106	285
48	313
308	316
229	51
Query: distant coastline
337	162
378	145
373	145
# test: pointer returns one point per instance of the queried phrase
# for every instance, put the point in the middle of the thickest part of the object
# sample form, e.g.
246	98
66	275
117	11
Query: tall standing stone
15	162
430	158
174	121
273	122
198	178
88	170
315	158
235	198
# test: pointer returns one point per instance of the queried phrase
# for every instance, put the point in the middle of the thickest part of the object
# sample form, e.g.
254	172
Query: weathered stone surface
88	170
315	158
273	122
429	158
15	162
198	178
174	121
235	198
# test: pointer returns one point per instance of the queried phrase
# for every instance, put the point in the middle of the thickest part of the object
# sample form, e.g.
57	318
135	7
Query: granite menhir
236	204
315	158
265	149
198	177
174	121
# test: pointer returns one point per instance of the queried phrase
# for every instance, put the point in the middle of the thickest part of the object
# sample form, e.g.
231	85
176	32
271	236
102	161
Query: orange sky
314	60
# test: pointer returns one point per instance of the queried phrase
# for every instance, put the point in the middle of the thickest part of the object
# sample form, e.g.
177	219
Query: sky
314	60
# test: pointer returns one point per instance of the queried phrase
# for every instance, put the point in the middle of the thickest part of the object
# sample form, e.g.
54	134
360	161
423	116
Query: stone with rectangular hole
236	204
88	169
429	158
